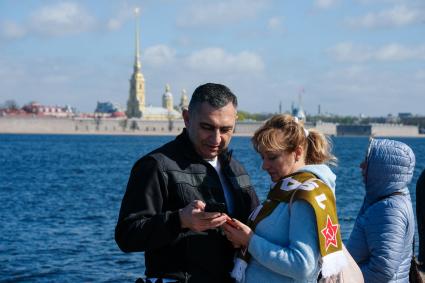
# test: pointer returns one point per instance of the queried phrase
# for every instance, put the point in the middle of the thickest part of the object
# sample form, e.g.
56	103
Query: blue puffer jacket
381	240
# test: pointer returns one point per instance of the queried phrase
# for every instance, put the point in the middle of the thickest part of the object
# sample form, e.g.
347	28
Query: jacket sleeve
356	244
385	231
299	259
142	223
253	202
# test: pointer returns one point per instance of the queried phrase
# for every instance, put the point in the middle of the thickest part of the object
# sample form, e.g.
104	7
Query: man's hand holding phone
196	217
219	207
215	207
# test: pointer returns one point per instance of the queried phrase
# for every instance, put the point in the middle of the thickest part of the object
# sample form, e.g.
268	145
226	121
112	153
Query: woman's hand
237	232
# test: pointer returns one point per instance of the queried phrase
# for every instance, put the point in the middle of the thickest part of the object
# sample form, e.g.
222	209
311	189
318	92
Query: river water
60	196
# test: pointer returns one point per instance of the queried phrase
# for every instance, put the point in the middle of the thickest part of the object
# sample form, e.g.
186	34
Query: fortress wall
35	125
326	128
51	125
394	130
152	127
247	128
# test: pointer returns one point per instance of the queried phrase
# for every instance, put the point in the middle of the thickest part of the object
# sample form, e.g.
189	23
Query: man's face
210	129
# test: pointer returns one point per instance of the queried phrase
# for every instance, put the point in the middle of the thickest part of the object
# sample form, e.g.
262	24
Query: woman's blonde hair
286	133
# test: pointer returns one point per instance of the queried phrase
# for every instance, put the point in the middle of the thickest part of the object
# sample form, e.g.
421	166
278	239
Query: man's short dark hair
217	95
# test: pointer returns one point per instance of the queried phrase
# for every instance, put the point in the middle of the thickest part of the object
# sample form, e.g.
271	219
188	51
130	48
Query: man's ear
185	115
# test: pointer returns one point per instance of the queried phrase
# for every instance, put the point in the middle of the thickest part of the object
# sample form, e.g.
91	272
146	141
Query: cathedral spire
136	99
137	64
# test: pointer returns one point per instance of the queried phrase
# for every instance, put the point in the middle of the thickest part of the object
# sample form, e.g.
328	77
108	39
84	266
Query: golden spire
137	64
136	100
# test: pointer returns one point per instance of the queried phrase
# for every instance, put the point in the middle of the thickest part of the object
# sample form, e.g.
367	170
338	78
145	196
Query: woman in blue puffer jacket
382	237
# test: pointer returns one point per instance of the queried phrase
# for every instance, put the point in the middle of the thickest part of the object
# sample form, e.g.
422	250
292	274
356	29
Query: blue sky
350	57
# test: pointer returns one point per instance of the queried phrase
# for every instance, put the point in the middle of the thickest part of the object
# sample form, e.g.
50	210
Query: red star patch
330	233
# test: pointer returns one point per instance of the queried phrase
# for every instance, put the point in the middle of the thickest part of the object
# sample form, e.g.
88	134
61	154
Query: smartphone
215	207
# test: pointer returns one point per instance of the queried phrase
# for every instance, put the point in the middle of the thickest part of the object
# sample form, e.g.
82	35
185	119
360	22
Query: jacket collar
190	153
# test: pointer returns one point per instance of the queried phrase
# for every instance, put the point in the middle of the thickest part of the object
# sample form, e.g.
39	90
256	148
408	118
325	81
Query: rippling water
60	197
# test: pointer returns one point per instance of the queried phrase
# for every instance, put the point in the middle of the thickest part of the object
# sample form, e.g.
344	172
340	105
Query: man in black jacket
164	209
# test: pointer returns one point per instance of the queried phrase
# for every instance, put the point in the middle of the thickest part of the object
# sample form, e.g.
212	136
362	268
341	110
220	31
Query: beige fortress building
136	104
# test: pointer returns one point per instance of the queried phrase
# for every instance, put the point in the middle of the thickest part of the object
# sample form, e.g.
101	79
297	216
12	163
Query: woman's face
363	166
279	163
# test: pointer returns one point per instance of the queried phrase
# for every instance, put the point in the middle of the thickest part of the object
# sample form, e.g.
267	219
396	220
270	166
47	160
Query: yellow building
136	104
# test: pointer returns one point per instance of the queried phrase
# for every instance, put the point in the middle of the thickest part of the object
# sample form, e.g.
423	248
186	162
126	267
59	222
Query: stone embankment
51	125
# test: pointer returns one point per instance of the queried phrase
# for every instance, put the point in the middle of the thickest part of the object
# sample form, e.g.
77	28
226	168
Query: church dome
168	91
167	98
299	113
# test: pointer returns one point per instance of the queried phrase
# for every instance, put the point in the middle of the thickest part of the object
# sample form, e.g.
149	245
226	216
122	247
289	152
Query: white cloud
60	19
114	24
392	52
399	52
274	24
60	81
374	2
11	30
398	16
346	51
325	3
376	91
218	60
220	13
352	72
124	14
159	55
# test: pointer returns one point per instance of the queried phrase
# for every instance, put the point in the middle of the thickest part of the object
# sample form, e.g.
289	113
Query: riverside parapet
52	125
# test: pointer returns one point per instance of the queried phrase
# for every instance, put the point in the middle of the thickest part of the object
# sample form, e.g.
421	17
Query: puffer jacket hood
323	172
390	166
